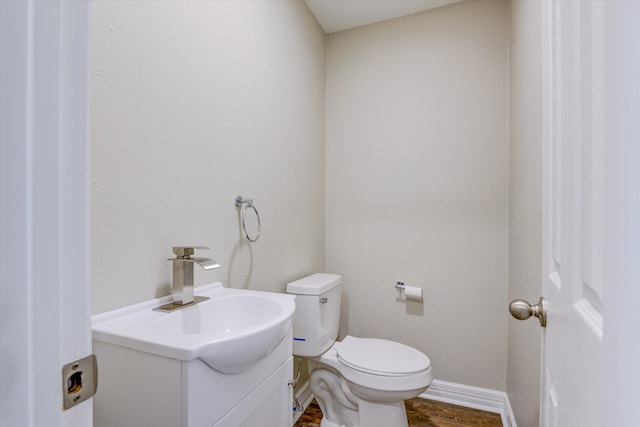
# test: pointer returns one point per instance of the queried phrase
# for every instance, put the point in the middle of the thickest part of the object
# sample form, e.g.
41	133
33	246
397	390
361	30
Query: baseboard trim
305	396
472	397
443	391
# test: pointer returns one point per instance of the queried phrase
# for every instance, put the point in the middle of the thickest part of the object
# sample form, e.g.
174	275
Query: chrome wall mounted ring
246	204
244	225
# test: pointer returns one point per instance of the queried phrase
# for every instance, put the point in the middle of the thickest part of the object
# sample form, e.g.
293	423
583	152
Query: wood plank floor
422	413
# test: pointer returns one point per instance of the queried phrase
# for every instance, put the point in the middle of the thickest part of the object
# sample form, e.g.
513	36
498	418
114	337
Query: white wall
417	183
525	216
192	104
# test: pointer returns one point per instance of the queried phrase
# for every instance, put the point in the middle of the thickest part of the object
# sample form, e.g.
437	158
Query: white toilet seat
381	357
380	365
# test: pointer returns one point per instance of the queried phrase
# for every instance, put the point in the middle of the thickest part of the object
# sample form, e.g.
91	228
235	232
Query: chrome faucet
183	277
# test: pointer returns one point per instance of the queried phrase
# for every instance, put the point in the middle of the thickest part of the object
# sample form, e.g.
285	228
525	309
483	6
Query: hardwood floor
428	413
422	413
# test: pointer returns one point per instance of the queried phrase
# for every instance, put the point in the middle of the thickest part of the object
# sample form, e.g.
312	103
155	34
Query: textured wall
192	104
417	183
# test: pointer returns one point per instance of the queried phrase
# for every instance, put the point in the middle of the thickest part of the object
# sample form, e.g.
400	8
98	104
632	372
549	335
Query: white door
590	94
44	218
573	220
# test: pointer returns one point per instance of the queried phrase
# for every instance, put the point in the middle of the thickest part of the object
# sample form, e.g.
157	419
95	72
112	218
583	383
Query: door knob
522	310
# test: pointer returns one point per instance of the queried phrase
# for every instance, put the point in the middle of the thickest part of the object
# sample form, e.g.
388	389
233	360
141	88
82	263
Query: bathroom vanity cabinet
136	388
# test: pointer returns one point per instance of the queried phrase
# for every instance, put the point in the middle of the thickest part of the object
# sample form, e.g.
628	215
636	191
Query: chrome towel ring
245	204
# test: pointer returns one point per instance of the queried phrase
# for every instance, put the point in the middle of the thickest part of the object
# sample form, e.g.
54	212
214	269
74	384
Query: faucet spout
183	277
206	263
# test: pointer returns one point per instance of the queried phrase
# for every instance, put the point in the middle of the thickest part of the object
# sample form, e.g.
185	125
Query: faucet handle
186	251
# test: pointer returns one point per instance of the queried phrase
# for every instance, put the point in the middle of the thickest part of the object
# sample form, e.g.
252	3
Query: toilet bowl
356	381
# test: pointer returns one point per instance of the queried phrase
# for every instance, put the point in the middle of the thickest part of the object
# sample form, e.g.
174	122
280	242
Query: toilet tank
317	315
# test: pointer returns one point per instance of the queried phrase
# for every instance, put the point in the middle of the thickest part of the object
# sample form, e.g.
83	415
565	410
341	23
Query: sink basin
230	331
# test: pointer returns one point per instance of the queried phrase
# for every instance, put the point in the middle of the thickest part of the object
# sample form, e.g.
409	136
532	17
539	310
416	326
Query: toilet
357	381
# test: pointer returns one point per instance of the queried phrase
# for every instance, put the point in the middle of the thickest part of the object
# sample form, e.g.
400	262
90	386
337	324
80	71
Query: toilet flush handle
323	300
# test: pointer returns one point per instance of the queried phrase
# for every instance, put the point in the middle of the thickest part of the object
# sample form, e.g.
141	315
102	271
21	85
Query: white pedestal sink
226	361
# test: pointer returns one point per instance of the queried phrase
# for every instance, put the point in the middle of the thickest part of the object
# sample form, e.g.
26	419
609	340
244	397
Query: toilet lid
381	357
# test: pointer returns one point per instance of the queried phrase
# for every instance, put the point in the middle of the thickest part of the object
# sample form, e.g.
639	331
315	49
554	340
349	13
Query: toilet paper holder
410	292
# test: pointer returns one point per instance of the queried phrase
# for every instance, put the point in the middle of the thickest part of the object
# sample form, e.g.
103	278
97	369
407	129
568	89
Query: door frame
622	211
44	222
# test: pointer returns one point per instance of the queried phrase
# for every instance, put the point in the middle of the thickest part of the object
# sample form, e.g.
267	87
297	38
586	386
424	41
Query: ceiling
337	15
